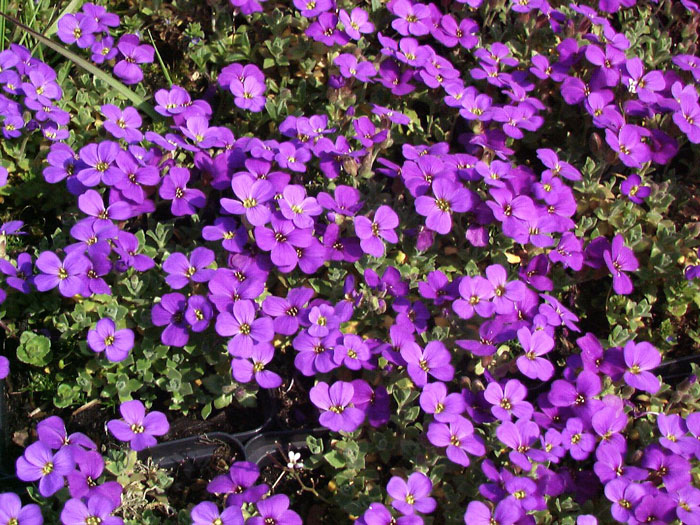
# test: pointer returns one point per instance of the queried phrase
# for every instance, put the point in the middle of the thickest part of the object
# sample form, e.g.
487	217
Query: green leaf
335	459
123	90
34	349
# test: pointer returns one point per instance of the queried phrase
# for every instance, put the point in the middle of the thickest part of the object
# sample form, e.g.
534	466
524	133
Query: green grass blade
160	61
79	61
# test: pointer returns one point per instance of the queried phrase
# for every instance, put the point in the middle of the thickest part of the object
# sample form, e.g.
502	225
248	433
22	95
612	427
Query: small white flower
295	461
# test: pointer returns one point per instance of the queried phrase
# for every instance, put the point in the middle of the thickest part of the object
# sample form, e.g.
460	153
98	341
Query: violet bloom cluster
240	488
90	29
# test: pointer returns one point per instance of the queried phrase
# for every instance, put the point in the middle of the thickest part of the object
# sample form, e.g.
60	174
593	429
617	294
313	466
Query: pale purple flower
412	495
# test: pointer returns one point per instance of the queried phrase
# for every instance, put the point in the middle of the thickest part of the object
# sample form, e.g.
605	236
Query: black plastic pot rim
192	449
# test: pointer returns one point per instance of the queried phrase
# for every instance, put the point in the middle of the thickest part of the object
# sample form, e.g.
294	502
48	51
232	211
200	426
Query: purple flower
239	484
91	204
633	188
506	512
535	345
297	207
137	427
315	354
275	509
576	440
246	330
371	232
293	158
476	293
338	413
20	278
67	275
282	241
182	270
77	29
127	68
458	437
356	22
412	495
126	247
639	359
520	437
12	511
249	93
286	312
629	146
170	312
434	360
508	401
186	200
353	353
378	514
620	259
449	197
40	463
4	368
624	495
97	510
106	338
232	235
122	124
98	163
82	482
253	367
252	198
412	19
206	513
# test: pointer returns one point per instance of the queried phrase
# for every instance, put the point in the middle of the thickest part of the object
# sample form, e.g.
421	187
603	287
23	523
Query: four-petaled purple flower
137	427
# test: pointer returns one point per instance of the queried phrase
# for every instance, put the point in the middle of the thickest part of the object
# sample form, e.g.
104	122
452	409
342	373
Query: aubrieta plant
464	233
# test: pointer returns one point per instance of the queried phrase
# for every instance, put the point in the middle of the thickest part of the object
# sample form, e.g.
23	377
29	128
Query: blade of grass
160	61
3	8
79	61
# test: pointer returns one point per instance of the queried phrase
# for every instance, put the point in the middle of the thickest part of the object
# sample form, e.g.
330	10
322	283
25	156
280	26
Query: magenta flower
412	495
116	344
338	413
138	428
476	293
639	359
576	440
282	241
245	370
40	463
68	274
620	259
371	232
